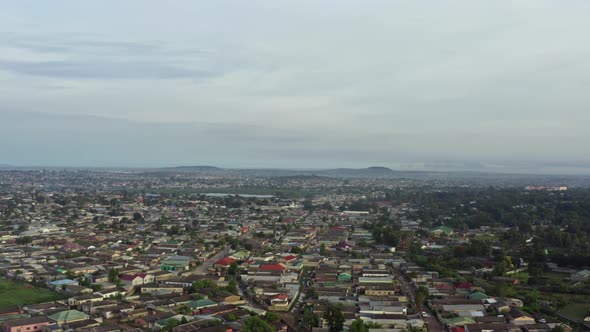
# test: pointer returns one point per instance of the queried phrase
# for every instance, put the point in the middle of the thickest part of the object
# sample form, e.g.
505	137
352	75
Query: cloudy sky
499	84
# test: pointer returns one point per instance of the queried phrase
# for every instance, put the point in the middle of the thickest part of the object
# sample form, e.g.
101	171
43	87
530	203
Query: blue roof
63	282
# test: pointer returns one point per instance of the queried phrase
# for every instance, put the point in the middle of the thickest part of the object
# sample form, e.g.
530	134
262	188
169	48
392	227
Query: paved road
433	324
202	270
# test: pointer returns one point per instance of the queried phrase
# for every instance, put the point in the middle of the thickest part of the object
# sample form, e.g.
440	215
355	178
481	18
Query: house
68	316
135	314
58	284
199	305
175	263
33	324
77	300
580	276
133	280
273	267
161	289
464	285
441	230
9	311
92	307
36	309
537	328
477	296
344	277
224	262
519	317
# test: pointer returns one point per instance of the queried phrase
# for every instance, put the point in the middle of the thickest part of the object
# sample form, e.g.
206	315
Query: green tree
184	310
421	297
232	286
323	250
310	318
113	275
358	326
70	274
255	324
272	317
24	240
205	283
232	270
335	319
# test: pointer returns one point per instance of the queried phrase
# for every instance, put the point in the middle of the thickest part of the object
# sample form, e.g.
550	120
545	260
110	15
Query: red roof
290	257
457	329
226	261
128	277
464	285
272	267
337	228
443	286
283	297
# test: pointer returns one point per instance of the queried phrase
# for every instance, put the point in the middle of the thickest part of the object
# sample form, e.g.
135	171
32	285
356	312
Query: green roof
458	321
202	303
444	229
240	254
15	316
478	296
68	316
344	277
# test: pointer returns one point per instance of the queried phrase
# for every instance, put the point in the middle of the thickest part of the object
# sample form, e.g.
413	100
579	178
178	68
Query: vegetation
256	324
333	315
17	293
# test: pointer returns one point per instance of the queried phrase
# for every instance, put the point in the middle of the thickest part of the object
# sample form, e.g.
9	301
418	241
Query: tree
323	250
113	275
358	326
232	287
24	240
255	324
272	317
205	283
232	270
184	310
310	318
70	274
335	319
421	297
137	216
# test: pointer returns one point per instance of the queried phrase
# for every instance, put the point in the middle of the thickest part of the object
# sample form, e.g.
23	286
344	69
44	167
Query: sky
478	85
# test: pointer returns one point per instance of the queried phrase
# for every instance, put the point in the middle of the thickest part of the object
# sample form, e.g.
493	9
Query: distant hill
198	168
370	172
374	171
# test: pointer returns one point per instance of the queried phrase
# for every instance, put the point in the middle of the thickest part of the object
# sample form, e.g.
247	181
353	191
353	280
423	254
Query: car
424	314
542	320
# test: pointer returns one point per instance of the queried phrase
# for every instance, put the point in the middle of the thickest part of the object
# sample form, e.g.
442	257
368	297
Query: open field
17	293
577	311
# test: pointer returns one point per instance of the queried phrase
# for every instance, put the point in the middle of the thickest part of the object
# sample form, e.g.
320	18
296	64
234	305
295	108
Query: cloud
313	83
101	69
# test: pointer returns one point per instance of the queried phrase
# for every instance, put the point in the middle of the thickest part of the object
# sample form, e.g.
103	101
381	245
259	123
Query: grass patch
19	293
576	310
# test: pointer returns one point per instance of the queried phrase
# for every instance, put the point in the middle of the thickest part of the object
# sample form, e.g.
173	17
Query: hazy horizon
453	85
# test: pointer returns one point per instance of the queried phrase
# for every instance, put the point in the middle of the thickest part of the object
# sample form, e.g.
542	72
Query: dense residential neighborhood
181	251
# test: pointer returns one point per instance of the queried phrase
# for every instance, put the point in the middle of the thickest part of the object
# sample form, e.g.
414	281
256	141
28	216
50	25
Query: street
202	270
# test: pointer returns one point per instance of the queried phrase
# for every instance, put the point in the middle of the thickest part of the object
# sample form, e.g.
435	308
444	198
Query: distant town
209	249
